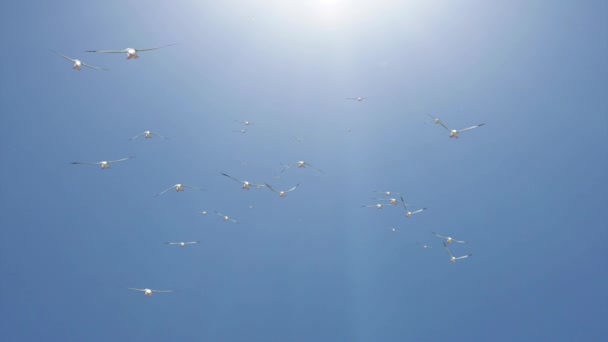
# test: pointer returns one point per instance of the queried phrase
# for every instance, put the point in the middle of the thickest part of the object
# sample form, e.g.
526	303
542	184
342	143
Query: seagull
202	212
387	193
226	218
453	132
105	164
423	246
377	206
282	193
148	292
147	135
448	239
178	187
246	123
181	244
301	164
452	258
357	98
131	52
246	184
77	63
241	131
410	213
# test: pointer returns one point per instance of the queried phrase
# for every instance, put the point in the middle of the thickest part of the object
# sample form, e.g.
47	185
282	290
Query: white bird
423	245
147	135
131	52
243	131
357	98
178	187
77	63
387	193
105	164
246	184
452	258
377	206
203	212
407	212
453	132
181	244
448	239
301	164
226	218
246	123
148	292
282	193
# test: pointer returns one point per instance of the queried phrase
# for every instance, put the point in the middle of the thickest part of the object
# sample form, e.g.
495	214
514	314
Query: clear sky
527	190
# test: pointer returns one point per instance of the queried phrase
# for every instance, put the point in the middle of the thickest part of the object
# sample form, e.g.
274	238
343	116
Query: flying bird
448	239
391	201
178	188
453	132
77	63
148	292
357	98
226	218
301	164
246	184
377	206
452	258
131	52
387	193
147	135
423	245
181	244
243	131
281	193
105	164
407	212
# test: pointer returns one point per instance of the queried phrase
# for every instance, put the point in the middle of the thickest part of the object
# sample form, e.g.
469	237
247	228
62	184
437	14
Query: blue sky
527	190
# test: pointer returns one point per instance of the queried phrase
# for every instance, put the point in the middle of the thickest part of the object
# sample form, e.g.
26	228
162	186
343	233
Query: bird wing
162	192
270	187
464	256
66	57
448	250
172	243
419	210
466	129
191	187
229	176
137	136
191	242
161	290
403	203
292	189
459	241
107	51
154	48
443	237
285	167
93	67
316	168
158	135
119	160
131	288
97	163
442	124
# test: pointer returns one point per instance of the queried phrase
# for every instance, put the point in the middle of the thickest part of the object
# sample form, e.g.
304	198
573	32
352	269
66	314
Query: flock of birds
132	53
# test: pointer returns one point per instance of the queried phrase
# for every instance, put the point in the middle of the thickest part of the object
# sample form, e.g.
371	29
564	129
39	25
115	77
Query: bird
131	52
181	244
226	218
281	193
423	245
387	193
448	239
243	131
246	184
148	292
246	123
301	164
377	206
407	212
78	63
357	98
452	258
178	187
105	164
147	135
454	132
